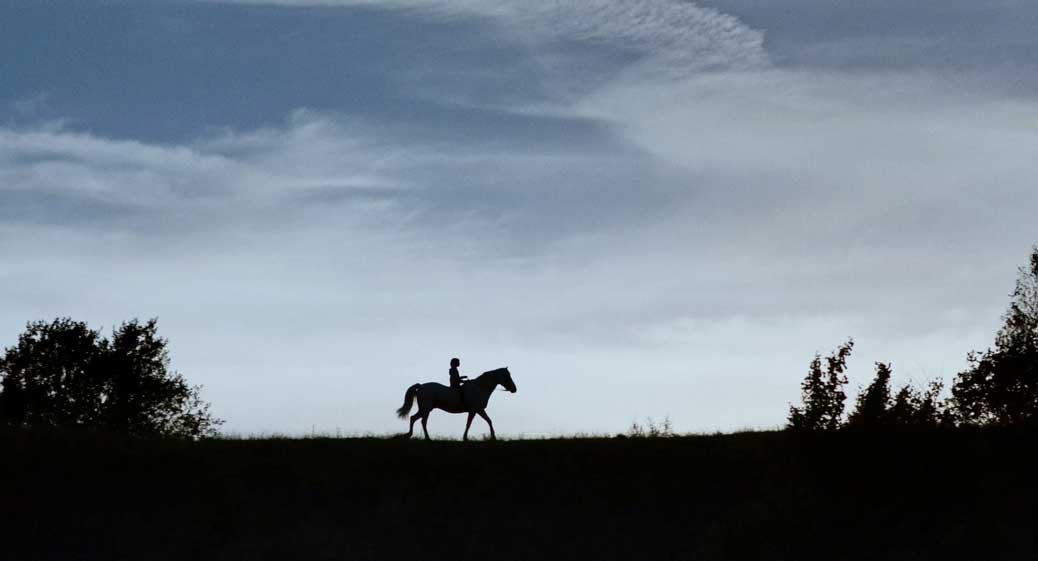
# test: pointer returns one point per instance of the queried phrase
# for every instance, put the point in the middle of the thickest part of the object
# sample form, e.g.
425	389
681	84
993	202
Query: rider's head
455	363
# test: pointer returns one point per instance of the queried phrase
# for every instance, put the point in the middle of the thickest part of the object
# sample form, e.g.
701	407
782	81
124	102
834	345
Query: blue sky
644	208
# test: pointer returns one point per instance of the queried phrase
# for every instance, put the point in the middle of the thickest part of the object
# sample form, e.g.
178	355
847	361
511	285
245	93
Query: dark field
957	495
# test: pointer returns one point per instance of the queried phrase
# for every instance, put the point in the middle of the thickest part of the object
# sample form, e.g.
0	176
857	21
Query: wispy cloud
212	183
682	36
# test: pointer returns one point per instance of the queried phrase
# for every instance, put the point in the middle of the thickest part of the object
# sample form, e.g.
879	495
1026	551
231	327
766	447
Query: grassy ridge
960	495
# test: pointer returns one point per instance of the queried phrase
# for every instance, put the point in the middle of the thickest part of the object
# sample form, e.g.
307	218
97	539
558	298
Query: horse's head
505	379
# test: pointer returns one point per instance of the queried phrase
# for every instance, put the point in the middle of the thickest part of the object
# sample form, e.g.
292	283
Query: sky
644	208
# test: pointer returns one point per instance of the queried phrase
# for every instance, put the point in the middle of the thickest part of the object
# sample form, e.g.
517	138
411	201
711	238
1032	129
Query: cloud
214	183
682	36
870	193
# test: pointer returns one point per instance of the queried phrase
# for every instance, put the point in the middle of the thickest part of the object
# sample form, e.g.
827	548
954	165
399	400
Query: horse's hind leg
483	414
414	418
425	420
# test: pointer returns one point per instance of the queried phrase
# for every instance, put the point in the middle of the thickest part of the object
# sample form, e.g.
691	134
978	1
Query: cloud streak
682	36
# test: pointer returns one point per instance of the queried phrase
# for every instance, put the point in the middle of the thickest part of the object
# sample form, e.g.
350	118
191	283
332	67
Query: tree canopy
63	374
822	393
872	406
1001	385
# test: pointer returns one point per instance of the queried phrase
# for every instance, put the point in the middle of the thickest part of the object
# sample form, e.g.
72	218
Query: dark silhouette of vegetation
872	406
651	429
919	408
1001	385
1000	388
822	393
910	407
64	375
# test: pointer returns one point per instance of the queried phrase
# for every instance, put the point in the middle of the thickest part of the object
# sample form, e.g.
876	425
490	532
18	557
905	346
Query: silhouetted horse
432	395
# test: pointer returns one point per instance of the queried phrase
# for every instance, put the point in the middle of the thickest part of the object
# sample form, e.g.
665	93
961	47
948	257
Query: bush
919	408
822	393
872	406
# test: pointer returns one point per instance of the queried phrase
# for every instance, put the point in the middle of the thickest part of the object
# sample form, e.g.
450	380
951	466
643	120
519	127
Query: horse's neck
488	381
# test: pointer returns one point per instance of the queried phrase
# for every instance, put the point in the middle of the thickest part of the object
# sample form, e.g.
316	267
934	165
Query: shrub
822	393
872	406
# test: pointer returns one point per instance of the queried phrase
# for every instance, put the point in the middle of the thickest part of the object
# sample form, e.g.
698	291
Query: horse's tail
408	401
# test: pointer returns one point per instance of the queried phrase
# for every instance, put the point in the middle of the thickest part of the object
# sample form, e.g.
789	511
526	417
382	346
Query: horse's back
437	395
435	390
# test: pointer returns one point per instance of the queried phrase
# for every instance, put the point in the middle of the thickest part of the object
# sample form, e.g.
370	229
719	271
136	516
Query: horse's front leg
467	425
483	413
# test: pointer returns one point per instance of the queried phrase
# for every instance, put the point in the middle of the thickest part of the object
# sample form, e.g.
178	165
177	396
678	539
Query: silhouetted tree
918	408
50	378
822	393
1001	385
872	406
63	374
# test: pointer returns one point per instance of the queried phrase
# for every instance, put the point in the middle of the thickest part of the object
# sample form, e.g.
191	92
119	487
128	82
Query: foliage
872	406
63	374
50	378
651	429
822	393
919	408
1001	385
908	408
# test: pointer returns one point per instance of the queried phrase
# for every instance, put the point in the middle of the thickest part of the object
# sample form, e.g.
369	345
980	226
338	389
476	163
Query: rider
457	380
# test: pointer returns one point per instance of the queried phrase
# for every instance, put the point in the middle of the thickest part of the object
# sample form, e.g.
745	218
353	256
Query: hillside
961	495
